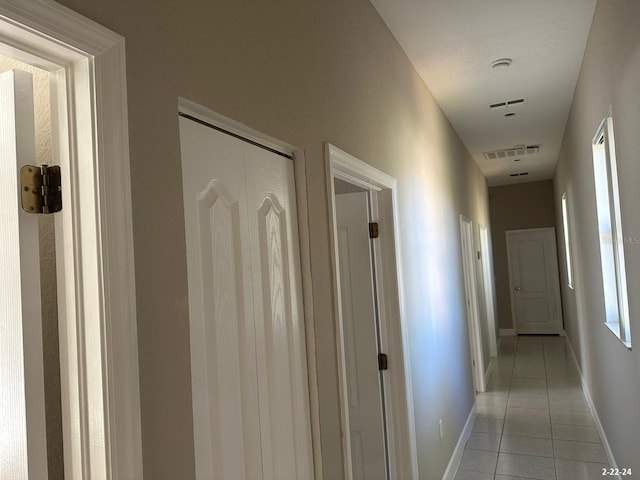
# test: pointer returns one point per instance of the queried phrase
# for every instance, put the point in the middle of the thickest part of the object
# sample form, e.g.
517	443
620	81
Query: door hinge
383	363
478	255
41	189
373	230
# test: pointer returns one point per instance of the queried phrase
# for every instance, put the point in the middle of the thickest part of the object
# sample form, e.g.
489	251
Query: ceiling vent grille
507	104
518	151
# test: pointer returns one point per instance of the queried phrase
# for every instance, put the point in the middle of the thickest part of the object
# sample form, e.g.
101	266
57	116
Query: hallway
533	421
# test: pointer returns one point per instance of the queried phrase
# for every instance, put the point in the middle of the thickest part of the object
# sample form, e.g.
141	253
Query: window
567	240
614	279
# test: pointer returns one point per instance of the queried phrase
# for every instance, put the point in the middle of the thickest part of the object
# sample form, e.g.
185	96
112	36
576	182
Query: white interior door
22	412
249	376
368	459
533	273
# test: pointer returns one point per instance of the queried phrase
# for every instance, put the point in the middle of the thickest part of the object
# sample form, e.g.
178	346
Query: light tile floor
533	422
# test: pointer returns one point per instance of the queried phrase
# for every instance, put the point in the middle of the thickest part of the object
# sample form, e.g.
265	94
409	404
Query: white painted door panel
250	394
534	281
23	452
281	357
361	350
224	378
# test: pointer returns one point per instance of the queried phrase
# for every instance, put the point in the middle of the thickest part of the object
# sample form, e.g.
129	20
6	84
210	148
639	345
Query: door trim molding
473	310
96	281
400	412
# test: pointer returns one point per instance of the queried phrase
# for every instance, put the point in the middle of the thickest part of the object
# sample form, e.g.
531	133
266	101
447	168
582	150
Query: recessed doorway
373	359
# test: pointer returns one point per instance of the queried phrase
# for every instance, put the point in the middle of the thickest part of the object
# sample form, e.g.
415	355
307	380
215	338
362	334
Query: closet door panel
280	340
223	363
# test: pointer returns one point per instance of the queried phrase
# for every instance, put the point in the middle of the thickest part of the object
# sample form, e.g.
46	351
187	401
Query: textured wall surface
305	72
609	79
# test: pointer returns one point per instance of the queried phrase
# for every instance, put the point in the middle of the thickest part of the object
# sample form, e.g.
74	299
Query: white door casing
471	302
393	329
249	376
22	410
533	278
368	456
94	254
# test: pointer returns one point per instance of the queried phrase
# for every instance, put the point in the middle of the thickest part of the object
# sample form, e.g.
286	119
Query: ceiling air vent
507	104
517	151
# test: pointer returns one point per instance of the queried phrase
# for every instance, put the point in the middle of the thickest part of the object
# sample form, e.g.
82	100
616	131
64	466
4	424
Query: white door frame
489	292
556	276
400	426
96	287
471	295
299	167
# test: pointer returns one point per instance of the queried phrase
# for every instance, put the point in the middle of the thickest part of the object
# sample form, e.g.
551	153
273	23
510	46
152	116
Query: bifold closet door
248	359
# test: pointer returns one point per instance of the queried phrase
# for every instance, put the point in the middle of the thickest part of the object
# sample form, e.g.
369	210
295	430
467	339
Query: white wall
303	72
610	76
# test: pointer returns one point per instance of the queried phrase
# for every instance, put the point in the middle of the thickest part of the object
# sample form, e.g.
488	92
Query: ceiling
452	44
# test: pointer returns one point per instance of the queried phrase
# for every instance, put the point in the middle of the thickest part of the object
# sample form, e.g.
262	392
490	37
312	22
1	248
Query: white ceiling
452	44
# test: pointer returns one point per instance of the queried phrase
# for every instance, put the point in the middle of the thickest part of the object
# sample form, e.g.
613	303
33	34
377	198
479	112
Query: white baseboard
594	412
507	332
456	456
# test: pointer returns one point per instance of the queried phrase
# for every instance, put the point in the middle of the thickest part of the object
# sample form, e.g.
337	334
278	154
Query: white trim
233	126
398	386
97	308
594	412
507	332
456	456
473	311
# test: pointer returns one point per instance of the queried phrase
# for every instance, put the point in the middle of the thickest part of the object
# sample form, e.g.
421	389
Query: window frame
568	253
611	240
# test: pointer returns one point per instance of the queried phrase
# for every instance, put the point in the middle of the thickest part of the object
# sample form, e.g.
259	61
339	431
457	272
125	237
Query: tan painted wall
48	283
304	72
513	207
610	76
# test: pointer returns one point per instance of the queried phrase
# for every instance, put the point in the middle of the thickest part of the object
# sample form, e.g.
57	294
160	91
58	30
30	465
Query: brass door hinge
373	230
41	189
383	363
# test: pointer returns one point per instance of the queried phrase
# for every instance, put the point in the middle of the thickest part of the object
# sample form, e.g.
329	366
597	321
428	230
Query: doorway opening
489	294
35	122
88	251
373	360
471	302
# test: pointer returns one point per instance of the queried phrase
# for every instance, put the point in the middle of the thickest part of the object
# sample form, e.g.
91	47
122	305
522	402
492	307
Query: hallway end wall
514	207
609	78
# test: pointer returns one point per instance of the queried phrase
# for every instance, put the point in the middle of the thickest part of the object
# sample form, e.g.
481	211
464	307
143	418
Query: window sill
615	329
